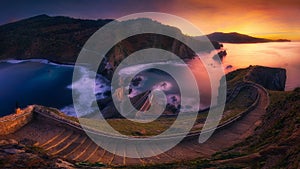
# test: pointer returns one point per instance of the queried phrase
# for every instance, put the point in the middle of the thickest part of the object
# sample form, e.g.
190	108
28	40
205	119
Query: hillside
54	38
274	143
235	37
60	39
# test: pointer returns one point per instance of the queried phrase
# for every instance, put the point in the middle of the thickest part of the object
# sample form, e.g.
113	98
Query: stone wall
13	122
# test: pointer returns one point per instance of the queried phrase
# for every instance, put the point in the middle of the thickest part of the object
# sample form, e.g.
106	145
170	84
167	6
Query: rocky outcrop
13	122
14	153
220	55
269	78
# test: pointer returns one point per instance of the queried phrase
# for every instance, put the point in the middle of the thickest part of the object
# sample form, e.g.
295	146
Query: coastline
44	61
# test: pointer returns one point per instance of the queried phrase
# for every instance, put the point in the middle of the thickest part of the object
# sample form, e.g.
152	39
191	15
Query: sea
26	82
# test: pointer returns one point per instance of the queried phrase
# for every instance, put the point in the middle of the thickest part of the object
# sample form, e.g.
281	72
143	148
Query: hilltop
54	38
60	39
234	37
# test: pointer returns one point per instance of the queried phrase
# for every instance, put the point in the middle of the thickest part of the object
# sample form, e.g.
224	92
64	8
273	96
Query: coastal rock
220	56
269	78
16	155
7	142
64	164
13	151
229	67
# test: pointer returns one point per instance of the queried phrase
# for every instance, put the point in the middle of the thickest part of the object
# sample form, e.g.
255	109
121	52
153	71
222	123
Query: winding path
73	144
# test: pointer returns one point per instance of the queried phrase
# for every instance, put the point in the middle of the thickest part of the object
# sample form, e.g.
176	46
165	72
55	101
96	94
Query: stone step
58	140
42	144
132	151
80	150
118	160
90	151
73	147
64	145
106	158
162	156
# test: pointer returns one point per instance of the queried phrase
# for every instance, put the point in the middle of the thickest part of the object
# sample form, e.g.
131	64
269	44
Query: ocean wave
44	61
69	110
83	94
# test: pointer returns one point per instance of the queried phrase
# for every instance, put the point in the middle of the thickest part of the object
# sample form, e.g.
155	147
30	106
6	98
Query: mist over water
274	54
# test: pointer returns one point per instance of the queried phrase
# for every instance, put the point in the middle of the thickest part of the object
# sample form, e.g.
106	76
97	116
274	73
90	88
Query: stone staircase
65	141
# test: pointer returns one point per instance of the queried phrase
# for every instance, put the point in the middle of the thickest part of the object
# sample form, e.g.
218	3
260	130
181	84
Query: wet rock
8	142
27	142
229	67
13	151
63	164
220	56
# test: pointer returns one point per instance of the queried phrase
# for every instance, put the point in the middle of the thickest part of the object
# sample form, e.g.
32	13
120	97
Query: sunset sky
271	19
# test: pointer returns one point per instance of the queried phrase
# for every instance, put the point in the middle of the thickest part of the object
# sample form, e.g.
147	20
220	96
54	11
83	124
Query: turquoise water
36	82
33	83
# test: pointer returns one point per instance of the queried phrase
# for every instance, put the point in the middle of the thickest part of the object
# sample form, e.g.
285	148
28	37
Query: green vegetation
244	99
235	77
194	164
36	149
227	155
87	164
279	127
130	128
57	39
242	102
56	111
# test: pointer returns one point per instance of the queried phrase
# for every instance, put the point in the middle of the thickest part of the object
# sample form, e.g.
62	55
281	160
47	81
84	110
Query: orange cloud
253	17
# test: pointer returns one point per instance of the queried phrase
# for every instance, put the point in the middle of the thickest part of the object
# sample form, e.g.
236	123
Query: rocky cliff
269	78
60	39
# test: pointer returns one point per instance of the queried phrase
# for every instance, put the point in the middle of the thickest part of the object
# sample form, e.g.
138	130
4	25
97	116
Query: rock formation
269	78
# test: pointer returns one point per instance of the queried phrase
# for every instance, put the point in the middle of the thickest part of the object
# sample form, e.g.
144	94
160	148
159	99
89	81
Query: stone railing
13	122
43	112
232	95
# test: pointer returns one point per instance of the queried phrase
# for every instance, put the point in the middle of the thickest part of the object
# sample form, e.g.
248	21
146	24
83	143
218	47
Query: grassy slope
243	100
275	144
